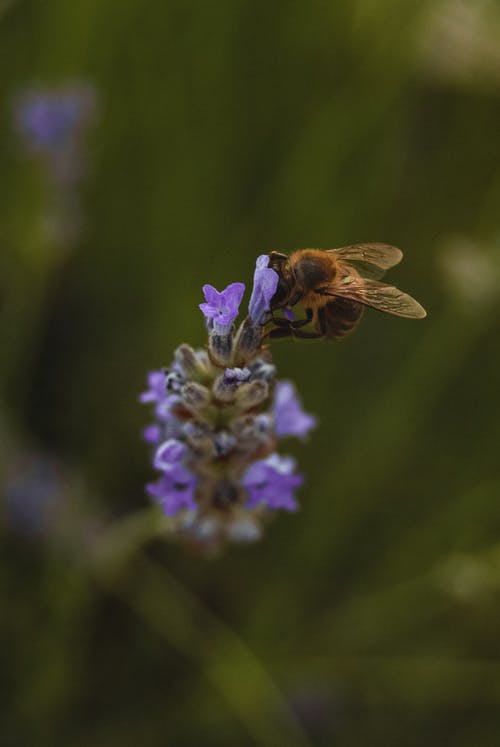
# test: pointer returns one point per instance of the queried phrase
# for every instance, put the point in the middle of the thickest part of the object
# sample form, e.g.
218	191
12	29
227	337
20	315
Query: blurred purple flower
170	453
174	490
221	308
152	434
52	120
163	409
265	282
52	124
272	481
157	387
34	490
289	417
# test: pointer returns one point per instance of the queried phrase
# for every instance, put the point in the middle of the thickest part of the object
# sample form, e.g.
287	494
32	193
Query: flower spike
219	416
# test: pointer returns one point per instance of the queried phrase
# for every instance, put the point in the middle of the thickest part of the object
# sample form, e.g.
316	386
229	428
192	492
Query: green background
226	129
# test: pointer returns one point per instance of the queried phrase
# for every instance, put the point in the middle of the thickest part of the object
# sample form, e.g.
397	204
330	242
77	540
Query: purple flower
174	490
152	434
34	491
272	481
157	387
169	454
289	417
265	282
51	120
163	409
221	308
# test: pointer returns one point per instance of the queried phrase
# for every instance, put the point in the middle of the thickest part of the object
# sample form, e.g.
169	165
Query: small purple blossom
170	453
51	120
272	482
163	409
157	387
221	308
265	282
289	417
34	492
152	434
174	490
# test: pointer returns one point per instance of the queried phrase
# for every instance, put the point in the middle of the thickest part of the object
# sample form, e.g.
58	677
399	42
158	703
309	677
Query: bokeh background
215	132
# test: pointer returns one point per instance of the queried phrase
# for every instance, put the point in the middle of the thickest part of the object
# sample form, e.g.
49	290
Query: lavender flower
169	454
174	491
272	482
52	125
290	419
249	336
50	120
34	490
219	415
265	282
221	309
157	387
152	434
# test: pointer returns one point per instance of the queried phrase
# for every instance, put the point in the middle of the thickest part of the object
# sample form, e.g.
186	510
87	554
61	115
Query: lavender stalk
218	416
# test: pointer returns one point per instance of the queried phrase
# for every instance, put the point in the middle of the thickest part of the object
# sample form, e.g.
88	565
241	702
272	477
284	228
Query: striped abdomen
338	317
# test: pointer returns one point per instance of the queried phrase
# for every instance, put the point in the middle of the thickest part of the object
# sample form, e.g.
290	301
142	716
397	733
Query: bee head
281	265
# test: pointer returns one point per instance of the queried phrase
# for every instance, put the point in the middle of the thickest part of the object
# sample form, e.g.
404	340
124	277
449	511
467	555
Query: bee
333	286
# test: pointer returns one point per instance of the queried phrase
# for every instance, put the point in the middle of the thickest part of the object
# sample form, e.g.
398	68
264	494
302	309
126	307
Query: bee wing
371	260
378	295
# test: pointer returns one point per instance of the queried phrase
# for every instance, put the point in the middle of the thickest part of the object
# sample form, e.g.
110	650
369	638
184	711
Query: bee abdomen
338	318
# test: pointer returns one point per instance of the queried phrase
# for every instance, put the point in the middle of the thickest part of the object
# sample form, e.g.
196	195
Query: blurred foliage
225	130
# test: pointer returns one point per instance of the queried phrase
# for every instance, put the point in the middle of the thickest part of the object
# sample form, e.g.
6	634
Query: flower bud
226	386
196	396
191	362
220	349
252	394
248	341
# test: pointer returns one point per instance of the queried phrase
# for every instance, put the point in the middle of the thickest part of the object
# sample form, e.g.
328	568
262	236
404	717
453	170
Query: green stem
177	615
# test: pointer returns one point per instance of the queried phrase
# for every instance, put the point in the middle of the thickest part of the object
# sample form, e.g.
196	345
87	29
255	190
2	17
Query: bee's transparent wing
377	295
370	260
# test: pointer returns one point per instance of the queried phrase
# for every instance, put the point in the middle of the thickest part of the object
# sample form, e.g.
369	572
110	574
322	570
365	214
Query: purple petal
163	409
212	295
208	311
272	481
232	296
174	490
156	382
52	119
265	282
290	419
152	434
168	454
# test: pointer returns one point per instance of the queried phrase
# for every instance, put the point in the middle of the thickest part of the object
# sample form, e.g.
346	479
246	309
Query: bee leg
285	323
296	323
287	328
300	334
278	332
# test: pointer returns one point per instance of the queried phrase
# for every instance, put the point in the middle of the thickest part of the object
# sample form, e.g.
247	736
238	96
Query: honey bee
333	286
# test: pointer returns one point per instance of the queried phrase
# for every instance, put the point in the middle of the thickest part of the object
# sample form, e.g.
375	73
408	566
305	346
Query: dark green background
227	129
